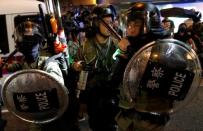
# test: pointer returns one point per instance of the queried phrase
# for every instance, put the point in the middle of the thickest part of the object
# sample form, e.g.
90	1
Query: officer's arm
54	70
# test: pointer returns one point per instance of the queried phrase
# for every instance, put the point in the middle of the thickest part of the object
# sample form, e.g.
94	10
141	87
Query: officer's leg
102	115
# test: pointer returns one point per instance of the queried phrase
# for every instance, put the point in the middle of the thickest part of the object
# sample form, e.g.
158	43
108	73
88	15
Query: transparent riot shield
34	96
162	77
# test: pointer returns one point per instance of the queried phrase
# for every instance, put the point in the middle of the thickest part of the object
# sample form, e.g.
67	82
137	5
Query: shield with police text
34	96
162	77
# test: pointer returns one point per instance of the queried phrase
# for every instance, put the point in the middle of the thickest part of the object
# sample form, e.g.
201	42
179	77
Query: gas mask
28	38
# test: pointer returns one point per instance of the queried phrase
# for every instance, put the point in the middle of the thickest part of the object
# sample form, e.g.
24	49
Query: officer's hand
123	44
77	66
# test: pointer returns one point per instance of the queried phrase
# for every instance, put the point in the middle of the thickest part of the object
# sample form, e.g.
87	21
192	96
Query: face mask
182	29
30	47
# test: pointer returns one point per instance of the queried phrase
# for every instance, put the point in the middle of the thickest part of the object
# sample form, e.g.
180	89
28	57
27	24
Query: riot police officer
96	55
143	26
29	40
148	65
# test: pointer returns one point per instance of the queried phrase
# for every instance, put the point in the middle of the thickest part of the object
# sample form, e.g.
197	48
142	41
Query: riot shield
34	96
162	77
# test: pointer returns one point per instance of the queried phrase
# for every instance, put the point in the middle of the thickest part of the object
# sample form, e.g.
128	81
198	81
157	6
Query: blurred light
170	49
190	55
115	54
155	55
84	2
166	6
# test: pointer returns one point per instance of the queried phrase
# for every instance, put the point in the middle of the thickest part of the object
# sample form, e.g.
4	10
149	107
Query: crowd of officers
104	58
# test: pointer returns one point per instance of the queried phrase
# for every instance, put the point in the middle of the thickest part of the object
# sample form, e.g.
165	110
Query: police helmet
28	31
148	13
162	77
104	11
98	13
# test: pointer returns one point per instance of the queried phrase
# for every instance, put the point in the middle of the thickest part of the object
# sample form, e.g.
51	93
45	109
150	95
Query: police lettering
177	84
42	101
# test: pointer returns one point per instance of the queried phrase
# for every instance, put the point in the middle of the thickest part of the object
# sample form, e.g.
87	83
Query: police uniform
129	118
99	94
